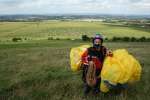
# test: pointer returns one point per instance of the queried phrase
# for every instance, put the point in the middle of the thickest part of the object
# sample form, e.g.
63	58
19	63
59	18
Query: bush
50	38
68	39
16	39
116	39
25	38
57	38
148	39
142	39
85	38
133	39
106	39
126	39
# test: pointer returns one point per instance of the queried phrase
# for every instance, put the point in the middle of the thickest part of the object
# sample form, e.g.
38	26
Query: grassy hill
40	70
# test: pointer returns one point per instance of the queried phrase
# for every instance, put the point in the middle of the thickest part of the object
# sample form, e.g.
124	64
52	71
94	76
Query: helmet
98	36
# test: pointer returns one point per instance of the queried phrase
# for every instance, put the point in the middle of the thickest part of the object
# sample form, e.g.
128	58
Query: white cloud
74	6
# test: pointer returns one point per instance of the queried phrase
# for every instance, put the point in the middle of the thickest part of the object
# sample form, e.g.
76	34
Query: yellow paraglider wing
75	56
122	68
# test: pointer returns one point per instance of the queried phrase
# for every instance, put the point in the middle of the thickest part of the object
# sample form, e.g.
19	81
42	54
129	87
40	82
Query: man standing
95	54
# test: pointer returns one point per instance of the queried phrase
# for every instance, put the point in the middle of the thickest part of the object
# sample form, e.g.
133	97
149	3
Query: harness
97	56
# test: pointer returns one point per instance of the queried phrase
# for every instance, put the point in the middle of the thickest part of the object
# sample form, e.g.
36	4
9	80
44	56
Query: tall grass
34	72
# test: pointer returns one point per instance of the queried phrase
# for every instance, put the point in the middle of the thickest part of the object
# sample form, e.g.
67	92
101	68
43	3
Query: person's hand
81	66
109	53
89	58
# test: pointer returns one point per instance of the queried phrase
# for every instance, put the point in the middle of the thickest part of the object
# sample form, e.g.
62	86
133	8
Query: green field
40	70
66	29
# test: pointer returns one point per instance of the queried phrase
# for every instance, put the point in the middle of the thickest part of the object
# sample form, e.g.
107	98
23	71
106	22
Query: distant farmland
66	29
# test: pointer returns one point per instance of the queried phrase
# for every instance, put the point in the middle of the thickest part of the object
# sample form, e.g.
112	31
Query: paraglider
91	61
120	69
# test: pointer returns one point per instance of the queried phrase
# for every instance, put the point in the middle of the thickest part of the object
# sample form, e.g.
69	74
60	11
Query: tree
85	38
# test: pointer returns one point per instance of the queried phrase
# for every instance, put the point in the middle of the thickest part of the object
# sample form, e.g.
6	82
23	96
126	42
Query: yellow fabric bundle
121	68
75	56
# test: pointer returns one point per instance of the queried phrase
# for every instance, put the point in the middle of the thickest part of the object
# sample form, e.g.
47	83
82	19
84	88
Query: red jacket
97	56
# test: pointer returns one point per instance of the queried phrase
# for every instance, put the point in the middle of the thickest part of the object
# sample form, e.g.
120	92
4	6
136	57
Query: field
67	30
40	70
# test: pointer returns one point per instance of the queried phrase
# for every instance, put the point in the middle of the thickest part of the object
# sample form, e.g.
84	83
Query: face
97	41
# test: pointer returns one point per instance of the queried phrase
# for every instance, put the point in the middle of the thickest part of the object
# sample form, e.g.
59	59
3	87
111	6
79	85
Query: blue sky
138	7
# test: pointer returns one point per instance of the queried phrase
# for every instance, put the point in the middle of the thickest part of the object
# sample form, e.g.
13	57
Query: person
97	54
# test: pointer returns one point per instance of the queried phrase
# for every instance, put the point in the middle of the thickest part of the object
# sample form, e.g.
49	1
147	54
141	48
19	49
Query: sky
125	7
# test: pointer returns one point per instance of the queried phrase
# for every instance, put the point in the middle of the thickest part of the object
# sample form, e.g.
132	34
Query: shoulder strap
103	50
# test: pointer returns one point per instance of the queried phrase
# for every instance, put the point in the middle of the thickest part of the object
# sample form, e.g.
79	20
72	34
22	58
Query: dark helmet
98	36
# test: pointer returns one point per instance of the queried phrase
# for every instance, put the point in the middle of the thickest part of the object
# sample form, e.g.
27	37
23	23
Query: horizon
74	14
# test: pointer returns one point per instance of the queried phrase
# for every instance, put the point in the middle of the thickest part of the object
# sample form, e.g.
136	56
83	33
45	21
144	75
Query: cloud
74	6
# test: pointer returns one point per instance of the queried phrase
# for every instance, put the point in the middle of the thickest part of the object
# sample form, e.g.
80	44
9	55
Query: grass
41	70
65	29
